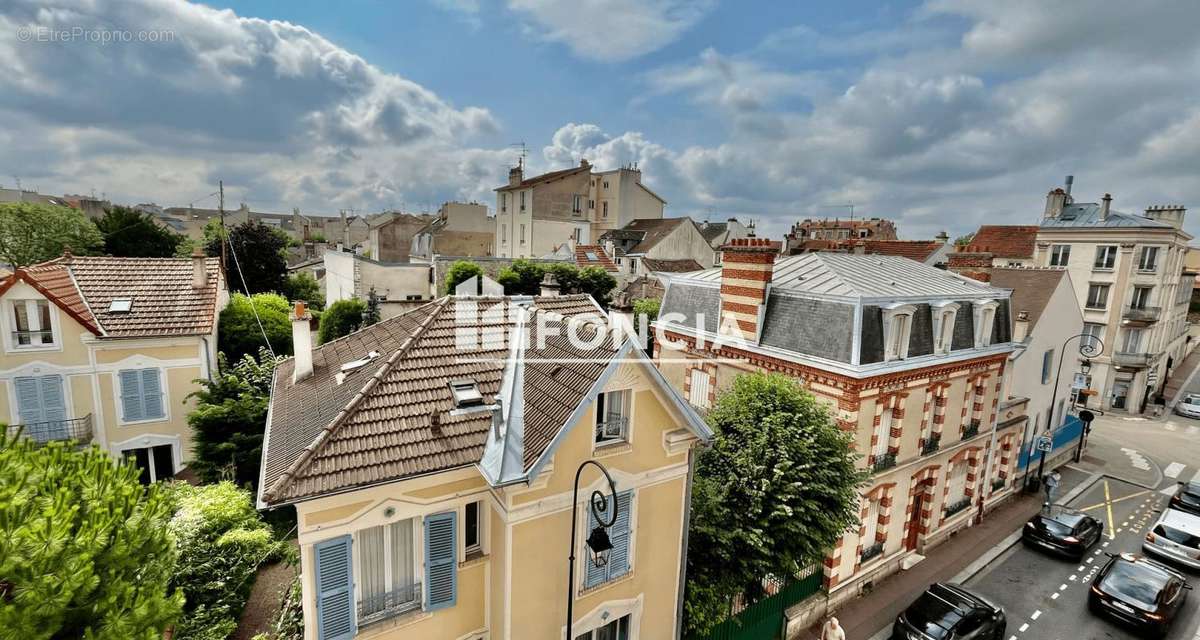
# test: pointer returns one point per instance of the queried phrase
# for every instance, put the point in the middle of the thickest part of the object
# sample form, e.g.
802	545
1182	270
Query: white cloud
611	30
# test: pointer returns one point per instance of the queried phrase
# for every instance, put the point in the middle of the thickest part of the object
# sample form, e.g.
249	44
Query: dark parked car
1187	498
1062	530
1138	592
950	612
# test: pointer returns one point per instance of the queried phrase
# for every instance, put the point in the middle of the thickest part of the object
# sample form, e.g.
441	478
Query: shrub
459	272
341	319
238	330
522	278
303	286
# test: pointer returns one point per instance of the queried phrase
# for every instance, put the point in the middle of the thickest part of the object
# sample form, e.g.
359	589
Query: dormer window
897	326
944	316
466	393
985	318
32	324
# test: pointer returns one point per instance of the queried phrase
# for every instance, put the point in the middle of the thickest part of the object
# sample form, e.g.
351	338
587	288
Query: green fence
764	619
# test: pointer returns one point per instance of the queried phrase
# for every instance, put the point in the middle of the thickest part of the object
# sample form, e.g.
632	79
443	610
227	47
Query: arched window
897	326
944	316
985	317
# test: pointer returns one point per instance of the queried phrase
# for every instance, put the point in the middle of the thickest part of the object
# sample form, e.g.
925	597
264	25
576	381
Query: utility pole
221	209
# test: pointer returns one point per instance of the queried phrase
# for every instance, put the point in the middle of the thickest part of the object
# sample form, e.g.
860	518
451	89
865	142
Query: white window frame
523	200
35	324
162	384
418	544
1135	303
985	320
503	202
957	479
945	314
626	435
503	233
1060	255
147	441
897	329
882	433
1106	258
604	208
1134	337
577	203
1151	250
1087	303
700	398
605	612
480	528
871	524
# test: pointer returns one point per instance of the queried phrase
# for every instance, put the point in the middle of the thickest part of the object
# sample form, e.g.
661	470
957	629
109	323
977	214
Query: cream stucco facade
513	586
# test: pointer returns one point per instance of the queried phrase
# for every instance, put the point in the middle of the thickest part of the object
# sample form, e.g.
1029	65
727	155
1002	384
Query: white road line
1103	545
1173	470
1023	628
1036	614
1080	569
1089	560
1062	587
1054	596
1072	578
1168	490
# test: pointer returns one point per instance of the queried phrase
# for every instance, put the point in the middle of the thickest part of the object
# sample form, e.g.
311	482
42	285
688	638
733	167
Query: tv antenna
849	205
520	159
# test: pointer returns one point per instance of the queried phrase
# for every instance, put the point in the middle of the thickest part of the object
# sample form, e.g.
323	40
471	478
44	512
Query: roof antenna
520	158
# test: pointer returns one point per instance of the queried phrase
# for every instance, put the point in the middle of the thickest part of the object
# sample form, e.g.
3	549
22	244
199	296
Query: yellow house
106	350
431	460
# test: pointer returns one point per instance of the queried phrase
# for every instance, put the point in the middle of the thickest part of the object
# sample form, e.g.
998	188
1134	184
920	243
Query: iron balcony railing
871	551
883	461
611	431
955	507
77	429
373	608
932	444
33	338
1141	314
971	430
1131	359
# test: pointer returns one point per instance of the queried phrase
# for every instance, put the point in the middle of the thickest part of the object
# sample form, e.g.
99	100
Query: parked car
949	611
1063	531
1187	498
1138	592
1189	407
1175	537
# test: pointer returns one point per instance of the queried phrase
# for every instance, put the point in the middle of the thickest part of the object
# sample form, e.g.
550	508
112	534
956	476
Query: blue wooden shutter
131	395
620	533
152	400
441	571
335	589
29	400
592	575
54	407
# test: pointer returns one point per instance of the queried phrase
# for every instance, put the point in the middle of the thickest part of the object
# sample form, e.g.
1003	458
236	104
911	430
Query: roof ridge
87	305
305	457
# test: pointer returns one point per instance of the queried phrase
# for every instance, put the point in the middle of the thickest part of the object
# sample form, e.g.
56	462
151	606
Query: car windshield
1192	399
932	615
1138	583
1057	528
1178	536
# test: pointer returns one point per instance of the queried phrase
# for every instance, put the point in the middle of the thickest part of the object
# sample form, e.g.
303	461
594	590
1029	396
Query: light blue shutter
131	395
152	400
592	575
29	400
54	407
441	572
619	534
335	589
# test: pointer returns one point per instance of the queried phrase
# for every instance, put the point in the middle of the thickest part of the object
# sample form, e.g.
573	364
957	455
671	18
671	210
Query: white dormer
944	316
897	327
985	318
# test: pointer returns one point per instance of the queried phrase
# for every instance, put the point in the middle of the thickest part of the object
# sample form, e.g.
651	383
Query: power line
249	297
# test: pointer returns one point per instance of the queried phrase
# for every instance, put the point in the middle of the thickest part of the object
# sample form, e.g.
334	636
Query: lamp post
597	541
1089	348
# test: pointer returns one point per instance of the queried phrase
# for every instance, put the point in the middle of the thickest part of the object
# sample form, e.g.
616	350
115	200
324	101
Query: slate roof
1006	241
601	258
164	301
849	275
642	235
1032	288
394	417
1087	214
681	265
713	230
545	177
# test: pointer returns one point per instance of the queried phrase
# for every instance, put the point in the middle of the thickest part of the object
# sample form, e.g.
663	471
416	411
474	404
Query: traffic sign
1045	444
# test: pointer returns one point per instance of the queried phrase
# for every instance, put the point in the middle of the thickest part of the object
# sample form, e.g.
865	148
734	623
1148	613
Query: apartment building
108	350
1130	280
642	244
459	229
839	229
909	357
431	460
536	215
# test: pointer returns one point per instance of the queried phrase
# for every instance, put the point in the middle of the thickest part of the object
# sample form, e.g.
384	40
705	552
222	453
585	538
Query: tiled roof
392	418
1087	214
713	230
1032	288
645	232
1006	241
682	265
919	250
545	177
164	302
600	259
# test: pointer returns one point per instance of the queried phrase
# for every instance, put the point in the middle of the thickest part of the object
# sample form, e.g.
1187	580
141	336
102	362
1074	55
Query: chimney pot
199	269
1105	206
301	341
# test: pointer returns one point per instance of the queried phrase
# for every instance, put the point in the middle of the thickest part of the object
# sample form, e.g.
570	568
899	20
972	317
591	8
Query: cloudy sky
942	115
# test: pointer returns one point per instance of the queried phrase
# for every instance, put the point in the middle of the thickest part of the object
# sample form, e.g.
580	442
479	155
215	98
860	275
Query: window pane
403	574
22	322
164	462
141	458
371	561
471	538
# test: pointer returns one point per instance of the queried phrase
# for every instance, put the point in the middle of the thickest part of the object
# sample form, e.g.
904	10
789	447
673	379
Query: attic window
120	305
466	393
361	362
591	255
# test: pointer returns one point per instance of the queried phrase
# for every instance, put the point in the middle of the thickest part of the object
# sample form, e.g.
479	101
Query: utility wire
257	319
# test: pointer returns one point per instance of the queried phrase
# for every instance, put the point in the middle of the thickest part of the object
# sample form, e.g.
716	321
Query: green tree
598	283
257	255
136	234
187	246
238	331
964	240
459	272
32	232
84	548
522	278
372	315
774	492
229	420
341	319
645	312
303	286
566	274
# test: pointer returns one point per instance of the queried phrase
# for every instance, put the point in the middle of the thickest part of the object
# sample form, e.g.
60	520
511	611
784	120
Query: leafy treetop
32	232
132	233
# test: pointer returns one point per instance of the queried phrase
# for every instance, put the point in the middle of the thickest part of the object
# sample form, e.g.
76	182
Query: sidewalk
863	617
1183	375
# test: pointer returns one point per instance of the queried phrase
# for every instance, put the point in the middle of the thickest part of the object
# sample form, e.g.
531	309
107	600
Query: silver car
1189	407
1176	537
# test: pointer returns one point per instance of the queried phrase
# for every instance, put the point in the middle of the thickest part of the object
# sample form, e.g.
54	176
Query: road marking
1174	469
1105	545
1054	596
1108	501
1112	535
1072	578
1062	587
1036	615
1023	628
1080	569
1089	560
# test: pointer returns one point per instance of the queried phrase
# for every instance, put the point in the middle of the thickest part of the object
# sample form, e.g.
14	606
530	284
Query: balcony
33	338
1140	316
1130	360
77	429
971	430
957	506
883	461
375	608
932	444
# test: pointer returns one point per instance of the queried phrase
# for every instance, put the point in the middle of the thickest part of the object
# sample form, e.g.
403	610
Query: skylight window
591	255
361	362
466	393
120	305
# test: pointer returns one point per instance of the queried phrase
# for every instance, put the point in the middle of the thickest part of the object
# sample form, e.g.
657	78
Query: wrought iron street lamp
598	542
1089	347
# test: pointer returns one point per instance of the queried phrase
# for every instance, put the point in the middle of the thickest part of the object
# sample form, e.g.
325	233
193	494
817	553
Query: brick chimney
1055	201
550	286
1171	214
515	176
301	341
199	269
748	264
973	262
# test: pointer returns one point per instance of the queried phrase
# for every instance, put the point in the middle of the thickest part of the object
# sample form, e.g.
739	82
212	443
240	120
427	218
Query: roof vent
120	305
361	362
466	393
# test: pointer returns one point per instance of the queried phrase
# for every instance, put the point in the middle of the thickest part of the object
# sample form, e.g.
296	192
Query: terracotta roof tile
598	257
545	177
1005	241
682	265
